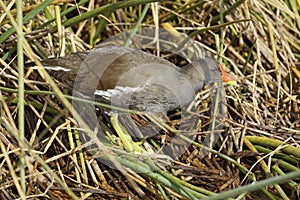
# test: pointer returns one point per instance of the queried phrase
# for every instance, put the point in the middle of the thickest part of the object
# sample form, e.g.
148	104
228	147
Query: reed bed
257	155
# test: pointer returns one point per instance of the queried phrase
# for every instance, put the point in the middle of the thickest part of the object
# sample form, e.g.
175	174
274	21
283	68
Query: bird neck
194	74
201	72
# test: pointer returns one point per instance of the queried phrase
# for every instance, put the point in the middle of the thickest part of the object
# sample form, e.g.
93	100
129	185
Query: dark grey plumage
133	79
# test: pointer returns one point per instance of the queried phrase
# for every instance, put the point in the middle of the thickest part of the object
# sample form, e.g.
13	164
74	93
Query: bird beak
226	78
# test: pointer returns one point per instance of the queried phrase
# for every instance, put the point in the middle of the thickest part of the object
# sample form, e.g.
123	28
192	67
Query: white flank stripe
53	68
118	90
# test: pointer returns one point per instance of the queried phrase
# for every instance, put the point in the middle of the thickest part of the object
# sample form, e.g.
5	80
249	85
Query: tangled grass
257	42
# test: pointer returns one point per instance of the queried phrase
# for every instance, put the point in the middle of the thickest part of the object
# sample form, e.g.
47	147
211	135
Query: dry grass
260	136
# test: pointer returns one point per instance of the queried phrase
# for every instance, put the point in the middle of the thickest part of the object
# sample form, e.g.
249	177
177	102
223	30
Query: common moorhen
134	79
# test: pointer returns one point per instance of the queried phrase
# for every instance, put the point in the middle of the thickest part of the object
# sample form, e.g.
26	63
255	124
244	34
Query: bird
134	79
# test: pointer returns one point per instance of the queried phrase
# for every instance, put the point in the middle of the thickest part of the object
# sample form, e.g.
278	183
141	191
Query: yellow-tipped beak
226	77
